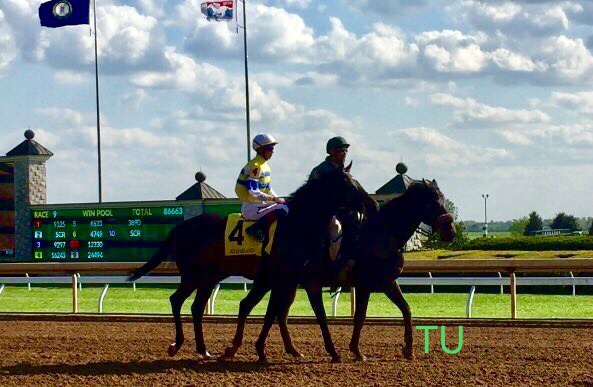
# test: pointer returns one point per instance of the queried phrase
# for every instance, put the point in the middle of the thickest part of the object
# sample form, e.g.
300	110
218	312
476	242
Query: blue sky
484	96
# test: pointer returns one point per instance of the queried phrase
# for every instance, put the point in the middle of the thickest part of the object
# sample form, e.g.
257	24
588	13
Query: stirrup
338	291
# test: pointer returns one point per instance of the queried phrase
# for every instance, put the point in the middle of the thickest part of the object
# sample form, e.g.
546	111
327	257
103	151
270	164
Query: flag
59	13
218	10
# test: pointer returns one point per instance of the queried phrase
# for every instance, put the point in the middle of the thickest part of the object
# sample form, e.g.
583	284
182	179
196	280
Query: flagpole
246	82
97	99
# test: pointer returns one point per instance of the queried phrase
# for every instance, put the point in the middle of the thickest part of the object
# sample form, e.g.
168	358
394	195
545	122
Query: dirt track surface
103	353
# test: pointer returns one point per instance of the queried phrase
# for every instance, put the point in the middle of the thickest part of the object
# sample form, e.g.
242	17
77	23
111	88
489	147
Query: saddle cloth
238	242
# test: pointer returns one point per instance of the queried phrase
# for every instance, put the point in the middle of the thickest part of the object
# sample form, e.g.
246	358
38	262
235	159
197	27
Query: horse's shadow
136	367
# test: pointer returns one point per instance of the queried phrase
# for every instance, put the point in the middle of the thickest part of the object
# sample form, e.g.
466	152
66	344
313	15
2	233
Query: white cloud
508	60
512	18
66	77
581	102
302	4
385	8
469	112
7	46
440	153
134	99
451	51
127	40
63	116
274	35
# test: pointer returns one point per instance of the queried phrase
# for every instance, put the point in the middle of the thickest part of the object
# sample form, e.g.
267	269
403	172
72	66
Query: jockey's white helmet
263	139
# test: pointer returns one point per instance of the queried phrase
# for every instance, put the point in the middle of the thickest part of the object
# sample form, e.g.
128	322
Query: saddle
238	242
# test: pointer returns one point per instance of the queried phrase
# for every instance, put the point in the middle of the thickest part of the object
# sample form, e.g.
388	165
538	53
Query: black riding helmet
336	143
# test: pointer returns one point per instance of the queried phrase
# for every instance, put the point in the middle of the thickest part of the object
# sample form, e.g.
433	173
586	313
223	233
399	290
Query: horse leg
282	323
255	295
395	295
177	299
197	310
271	313
362	301
316	301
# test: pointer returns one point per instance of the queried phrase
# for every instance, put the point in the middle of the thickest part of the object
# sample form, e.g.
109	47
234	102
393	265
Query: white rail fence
76	280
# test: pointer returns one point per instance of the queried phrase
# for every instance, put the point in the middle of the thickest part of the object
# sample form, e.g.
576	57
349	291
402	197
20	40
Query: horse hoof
336	359
296	354
408	353
204	356
262	361
172	350
229	353
360	358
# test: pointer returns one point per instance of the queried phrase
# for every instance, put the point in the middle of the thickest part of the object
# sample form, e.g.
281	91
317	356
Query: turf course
151	299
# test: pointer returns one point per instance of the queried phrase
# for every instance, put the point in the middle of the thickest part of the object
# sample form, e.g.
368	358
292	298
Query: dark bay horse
197	247
379	263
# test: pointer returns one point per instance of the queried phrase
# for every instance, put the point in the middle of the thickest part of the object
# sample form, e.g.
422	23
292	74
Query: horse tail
156	259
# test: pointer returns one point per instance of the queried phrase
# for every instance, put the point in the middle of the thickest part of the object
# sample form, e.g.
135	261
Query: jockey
337	148
340	253
259	201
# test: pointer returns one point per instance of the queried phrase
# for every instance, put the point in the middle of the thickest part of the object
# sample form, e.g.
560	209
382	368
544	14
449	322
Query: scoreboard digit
101	234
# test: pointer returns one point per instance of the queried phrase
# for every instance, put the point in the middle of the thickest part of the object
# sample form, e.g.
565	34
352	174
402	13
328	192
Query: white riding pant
254	211
335	238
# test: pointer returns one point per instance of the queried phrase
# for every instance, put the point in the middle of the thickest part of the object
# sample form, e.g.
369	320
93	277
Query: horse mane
395	209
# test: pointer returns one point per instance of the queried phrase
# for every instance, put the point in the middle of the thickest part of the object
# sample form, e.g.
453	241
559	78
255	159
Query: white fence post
102	297
74	293
28	283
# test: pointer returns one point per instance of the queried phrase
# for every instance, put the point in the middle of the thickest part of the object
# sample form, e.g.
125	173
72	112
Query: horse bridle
442	219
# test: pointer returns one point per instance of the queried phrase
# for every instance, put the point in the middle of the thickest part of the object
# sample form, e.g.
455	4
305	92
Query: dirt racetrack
134	353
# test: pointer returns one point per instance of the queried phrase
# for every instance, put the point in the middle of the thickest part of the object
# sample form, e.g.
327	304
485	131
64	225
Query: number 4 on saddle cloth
238	242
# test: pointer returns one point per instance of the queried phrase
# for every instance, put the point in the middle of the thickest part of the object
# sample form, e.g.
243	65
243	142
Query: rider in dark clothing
337	148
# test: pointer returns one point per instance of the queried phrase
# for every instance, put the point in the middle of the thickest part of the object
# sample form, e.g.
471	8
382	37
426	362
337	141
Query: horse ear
347	169
434	183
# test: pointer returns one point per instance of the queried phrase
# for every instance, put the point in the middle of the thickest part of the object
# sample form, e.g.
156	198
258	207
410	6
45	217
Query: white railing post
574	290
102	297
213	298
1	288
470	299
28	283
74	293
431	285
501	286
79	282
335	303
513	295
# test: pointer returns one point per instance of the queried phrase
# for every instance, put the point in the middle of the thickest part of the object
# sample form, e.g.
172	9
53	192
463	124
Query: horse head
434	210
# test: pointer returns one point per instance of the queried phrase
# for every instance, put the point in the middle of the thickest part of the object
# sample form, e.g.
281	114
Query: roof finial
29	134
200	177
401	168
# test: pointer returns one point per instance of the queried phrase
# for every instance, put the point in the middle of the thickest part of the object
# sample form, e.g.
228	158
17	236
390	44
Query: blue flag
59	13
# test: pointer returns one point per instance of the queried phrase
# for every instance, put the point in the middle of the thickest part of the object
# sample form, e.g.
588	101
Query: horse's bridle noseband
445	218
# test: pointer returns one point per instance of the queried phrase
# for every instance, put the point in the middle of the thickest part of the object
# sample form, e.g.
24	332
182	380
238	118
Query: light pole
485	196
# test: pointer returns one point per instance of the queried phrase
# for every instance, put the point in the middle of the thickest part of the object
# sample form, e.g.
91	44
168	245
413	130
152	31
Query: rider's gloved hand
279	200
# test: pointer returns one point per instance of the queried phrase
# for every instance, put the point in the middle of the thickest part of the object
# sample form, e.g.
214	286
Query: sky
484	96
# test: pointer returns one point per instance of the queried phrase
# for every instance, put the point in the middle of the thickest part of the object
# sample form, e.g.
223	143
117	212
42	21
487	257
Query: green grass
496	254
156	300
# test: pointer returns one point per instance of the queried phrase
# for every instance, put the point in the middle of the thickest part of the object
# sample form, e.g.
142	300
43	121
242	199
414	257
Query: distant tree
534	223
565	221
591	229
517	226
452	208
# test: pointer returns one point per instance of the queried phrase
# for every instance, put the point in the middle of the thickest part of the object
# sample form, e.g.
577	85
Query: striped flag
218	10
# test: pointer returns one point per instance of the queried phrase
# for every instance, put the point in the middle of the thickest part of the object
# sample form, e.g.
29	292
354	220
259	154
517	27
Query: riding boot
259	229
